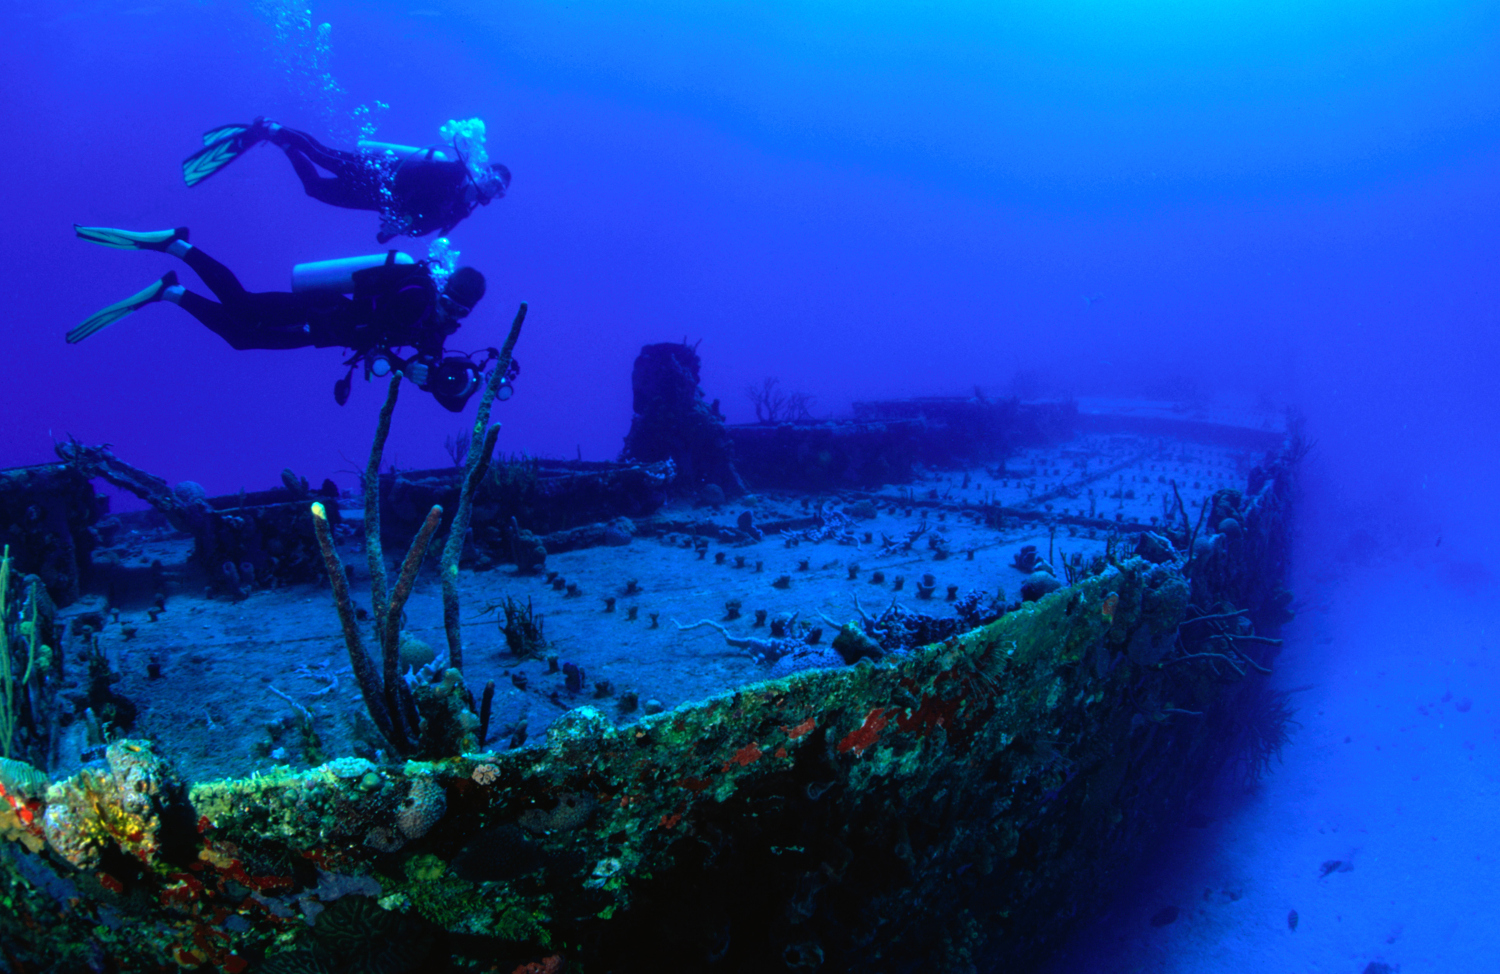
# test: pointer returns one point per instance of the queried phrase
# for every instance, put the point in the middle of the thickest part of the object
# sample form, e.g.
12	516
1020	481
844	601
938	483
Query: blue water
1275	204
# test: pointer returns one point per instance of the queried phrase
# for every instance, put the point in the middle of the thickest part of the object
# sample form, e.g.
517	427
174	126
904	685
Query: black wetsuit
415	196
393	306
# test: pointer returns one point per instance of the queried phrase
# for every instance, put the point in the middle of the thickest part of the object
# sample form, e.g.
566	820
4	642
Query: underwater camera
457	376
454	376
453	379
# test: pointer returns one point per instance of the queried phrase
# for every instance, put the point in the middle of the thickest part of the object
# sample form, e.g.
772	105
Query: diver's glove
416	372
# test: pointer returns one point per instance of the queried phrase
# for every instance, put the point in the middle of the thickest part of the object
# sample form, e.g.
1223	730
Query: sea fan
1263	721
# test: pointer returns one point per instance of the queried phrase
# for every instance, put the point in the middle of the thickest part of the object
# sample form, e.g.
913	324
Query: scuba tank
404	151
338	275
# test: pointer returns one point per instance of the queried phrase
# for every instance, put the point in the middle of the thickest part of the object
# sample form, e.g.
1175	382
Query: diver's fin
216	155
108	316
257	130
223	132
131	239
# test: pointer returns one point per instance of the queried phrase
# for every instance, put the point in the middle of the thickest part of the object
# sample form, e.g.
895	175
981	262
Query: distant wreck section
673	422
886	438
45	515
950	808
788	449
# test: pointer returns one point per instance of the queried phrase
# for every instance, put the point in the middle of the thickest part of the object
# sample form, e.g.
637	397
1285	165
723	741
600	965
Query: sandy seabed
1380	829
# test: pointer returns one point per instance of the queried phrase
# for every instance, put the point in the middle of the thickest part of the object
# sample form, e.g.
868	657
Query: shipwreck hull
960	805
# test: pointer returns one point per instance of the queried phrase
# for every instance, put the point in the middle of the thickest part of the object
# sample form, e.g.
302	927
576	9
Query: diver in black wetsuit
416	191
375	310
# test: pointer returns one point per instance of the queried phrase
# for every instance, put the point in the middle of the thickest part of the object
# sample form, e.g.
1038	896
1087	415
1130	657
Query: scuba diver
371	305
416	191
